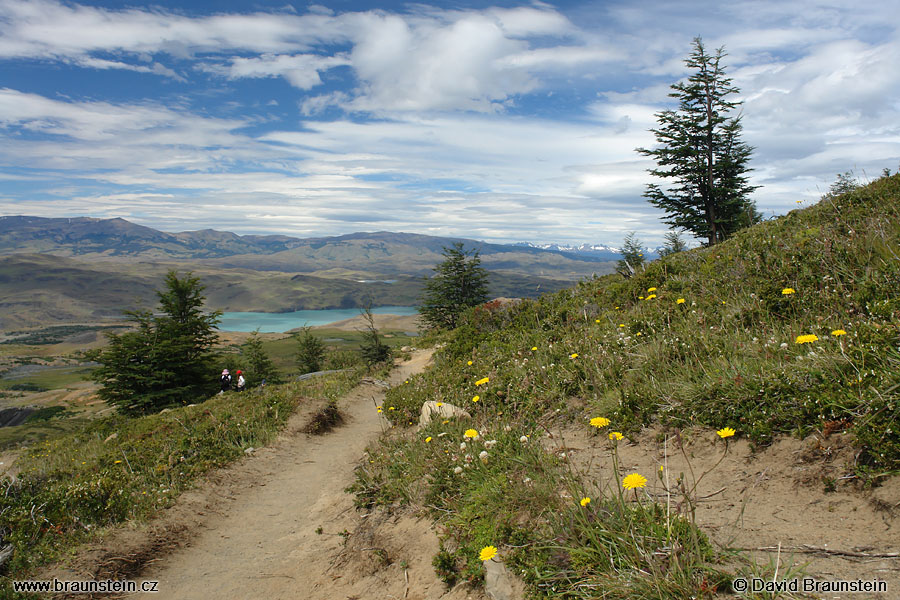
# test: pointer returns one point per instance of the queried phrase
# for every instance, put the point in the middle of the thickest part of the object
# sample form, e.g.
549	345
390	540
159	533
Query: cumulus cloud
300	70
424	60
501	123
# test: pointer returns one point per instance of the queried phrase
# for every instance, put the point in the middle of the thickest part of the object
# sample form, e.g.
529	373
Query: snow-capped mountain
594	251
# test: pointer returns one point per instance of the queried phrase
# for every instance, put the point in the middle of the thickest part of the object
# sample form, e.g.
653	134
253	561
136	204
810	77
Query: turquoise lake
280	322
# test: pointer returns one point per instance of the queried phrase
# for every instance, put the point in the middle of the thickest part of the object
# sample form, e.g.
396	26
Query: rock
249	450
498	583
431	410
405	349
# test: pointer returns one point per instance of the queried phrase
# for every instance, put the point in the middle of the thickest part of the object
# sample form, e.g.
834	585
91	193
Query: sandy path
266	545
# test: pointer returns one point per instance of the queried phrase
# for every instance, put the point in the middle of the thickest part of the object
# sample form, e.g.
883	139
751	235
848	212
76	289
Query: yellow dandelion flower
487	553
787	291
585	501
640	297
838	332
615	435
621	324
661	468
379	410
807	339
599	422
679	301
596	320
533	348
634	481
391	408
445	422
617	308
652	289
476	398
650	297
725	432
573	355
471	433
439	404
428	439
117	462
482	381
638	333
469	363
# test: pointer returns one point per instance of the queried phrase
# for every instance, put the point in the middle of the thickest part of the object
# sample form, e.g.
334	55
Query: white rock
431	411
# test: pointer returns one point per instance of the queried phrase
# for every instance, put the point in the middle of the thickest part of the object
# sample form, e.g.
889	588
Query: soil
382	323
280	525
794	503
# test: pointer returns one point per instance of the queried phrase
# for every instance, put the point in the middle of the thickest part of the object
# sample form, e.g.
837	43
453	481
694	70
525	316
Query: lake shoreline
237	322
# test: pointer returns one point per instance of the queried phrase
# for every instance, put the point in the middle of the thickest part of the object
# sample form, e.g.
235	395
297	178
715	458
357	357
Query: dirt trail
293	532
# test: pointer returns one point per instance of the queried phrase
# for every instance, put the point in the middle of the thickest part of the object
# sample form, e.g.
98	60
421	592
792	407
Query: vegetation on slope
788	327
118	468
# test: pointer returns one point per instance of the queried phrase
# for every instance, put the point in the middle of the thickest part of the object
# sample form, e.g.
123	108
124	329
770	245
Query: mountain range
83	269
118	237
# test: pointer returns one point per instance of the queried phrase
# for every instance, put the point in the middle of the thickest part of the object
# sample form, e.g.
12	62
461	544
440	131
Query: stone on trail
431	410
498	583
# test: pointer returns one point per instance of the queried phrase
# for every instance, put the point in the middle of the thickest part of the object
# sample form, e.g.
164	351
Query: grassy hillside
115	469
789	327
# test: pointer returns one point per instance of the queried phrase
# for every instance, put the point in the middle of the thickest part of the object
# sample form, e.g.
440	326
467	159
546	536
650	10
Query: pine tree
702	152
674	244
259	366
632	261
459	282
845	182
373	350
310	352
167	359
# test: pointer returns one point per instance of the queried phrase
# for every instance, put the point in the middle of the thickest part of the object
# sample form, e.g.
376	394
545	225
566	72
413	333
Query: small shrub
310	352
324	420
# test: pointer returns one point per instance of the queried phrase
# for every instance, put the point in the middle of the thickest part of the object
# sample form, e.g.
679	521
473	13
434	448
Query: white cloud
430	60
300	70
455	146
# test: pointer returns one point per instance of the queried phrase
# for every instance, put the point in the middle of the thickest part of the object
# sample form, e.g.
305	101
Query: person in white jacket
241	382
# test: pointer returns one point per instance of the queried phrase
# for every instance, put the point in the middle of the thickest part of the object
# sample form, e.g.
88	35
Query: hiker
225	381
241	382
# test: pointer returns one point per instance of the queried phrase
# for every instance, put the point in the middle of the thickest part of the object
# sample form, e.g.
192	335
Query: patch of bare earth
279	525
796	495
382	323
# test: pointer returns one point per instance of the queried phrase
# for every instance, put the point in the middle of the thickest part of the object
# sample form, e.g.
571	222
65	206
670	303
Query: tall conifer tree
168	358
702	152
459	283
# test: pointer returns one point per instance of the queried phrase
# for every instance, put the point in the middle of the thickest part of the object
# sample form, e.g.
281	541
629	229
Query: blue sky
504	122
